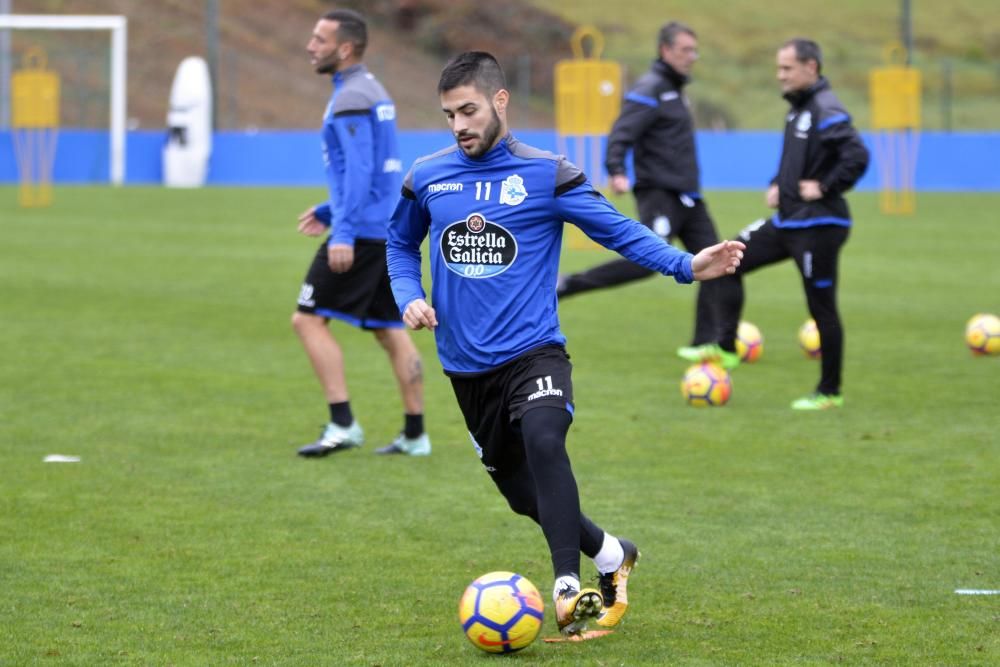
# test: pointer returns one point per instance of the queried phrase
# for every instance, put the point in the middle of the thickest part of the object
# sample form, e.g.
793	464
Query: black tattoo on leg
416	371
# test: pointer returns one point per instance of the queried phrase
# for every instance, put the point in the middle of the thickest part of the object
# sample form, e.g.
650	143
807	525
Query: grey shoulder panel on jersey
433	156
568	175
352	101
648	84
408	180
522	150
360	93
829	104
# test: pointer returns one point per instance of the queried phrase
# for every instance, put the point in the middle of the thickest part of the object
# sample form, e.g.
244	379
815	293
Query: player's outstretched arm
420	314
717	260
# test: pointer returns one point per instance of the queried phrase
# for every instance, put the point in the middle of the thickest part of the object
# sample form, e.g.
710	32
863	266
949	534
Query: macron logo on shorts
306	296
544	393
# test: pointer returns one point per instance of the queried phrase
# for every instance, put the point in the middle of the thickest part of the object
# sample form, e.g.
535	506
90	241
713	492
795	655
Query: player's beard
488	137
330	65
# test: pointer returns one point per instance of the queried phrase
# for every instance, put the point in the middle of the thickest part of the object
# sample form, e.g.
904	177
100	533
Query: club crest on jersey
803	123
512	190
477	248
661	225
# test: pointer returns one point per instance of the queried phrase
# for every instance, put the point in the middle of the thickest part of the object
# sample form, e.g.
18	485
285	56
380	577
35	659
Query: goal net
88	54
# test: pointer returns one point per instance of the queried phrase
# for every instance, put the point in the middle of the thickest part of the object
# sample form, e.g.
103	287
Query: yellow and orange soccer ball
706	385
809	339
501	612
982	334
749	342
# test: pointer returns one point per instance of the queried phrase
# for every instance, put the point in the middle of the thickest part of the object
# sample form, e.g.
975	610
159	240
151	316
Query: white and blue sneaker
335	439
419	446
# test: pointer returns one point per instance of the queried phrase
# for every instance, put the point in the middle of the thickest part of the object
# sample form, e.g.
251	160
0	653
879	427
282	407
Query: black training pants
816	251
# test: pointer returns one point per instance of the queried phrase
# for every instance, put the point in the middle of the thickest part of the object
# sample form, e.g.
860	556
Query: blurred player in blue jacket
347	280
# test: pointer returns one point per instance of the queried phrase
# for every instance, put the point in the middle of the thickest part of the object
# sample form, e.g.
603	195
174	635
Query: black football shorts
361	296
494	402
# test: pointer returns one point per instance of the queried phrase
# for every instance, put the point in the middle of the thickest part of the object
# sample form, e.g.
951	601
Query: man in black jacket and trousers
656	124
822	157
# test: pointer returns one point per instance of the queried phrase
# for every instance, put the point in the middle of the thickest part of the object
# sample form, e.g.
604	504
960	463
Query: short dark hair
806	50
352	28
477	68
669	32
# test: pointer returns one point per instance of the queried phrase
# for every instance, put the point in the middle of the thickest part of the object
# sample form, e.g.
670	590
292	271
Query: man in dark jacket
656	124
822	158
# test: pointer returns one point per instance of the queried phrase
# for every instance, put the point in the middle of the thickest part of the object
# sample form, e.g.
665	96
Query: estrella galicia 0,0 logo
477	248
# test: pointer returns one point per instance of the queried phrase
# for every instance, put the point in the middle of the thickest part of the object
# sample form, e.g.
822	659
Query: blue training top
495	225
361	153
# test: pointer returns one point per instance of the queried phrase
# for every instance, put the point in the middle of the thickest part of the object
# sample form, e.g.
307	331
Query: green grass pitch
147	331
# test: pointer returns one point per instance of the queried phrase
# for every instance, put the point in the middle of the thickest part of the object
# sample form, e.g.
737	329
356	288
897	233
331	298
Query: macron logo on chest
444	187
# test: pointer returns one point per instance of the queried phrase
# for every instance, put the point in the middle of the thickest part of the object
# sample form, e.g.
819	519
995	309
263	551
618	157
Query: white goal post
118	25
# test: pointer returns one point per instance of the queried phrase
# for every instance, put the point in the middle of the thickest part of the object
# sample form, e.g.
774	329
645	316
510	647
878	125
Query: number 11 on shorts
545	388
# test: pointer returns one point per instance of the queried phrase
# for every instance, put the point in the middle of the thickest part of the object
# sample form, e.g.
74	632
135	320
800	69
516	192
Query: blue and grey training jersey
361	153
495	226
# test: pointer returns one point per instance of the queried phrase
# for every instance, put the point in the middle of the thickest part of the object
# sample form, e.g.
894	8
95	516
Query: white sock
611	556
563	582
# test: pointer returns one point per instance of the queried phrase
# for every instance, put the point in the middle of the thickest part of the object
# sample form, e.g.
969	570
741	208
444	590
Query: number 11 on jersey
483	193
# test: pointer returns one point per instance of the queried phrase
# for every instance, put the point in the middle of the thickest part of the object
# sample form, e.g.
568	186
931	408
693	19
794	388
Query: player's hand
619	184
340	257
717	260
810	190
419	314
772	196
310	225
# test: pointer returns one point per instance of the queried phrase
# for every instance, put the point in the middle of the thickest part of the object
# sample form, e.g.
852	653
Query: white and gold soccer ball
982	334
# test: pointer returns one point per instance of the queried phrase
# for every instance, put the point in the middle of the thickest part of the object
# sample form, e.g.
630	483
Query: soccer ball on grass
501	612
749	342
982	334
706	385
809	339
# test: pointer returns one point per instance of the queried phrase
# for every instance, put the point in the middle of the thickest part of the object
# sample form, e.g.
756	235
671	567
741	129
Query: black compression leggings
545	490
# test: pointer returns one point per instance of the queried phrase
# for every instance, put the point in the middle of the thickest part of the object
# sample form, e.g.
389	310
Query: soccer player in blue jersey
494	210
347	280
